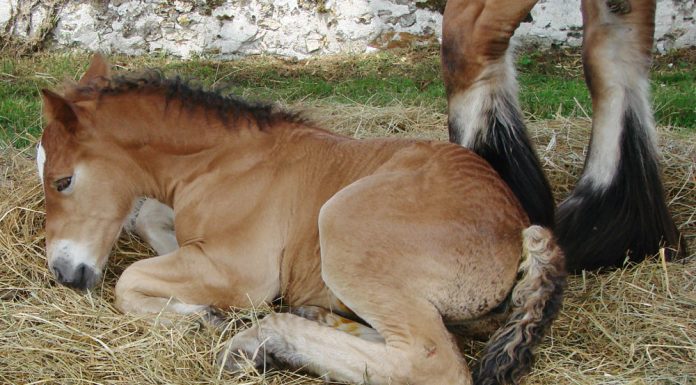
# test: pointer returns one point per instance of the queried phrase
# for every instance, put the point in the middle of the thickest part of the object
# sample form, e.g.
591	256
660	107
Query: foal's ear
55	108
98	68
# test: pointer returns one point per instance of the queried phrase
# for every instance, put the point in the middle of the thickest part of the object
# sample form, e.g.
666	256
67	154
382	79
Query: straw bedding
635	325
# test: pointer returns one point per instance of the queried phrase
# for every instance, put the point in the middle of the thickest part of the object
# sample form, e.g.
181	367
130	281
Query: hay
634	325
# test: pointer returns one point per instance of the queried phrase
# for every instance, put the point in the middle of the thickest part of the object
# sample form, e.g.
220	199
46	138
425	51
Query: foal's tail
536	300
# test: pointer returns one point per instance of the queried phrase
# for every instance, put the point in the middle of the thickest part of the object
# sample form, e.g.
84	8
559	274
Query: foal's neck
173	143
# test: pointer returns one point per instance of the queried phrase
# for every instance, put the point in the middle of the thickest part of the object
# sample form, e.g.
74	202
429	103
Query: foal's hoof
244	351
214	318
312	313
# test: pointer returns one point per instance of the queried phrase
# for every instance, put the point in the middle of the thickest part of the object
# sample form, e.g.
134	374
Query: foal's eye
62	183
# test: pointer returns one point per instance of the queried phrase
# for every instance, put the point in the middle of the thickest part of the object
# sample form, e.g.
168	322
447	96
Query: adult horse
408	237
618	205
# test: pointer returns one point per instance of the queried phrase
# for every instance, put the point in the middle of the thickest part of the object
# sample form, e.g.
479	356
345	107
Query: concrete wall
293	28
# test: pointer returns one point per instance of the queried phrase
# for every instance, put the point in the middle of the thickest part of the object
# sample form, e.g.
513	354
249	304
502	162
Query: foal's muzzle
78	277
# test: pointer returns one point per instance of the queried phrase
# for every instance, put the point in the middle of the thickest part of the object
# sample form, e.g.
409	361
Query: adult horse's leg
484	114
618	204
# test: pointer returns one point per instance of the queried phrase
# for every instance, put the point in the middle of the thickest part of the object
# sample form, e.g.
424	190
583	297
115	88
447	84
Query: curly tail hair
536	300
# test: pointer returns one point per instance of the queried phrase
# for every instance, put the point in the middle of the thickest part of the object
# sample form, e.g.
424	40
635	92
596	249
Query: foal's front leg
153	222
178	282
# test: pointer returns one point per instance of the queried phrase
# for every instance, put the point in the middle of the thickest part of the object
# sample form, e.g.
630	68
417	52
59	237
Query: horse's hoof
245	351
312	313
235	362
214	318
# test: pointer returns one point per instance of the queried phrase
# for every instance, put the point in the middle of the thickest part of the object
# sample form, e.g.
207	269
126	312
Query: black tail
536	300
628	219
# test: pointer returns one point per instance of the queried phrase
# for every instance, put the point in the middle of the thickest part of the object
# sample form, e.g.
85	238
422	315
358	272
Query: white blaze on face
40	161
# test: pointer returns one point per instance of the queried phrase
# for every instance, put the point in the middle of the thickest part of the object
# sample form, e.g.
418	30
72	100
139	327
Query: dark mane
191	95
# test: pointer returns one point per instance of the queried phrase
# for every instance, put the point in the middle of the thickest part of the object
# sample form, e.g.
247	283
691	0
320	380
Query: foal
410	237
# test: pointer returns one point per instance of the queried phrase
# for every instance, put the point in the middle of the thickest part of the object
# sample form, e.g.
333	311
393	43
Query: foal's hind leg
247	342
327	318
409	345
618	203
418	348
483	112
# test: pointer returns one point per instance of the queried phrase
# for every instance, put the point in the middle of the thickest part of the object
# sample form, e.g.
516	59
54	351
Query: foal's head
86	184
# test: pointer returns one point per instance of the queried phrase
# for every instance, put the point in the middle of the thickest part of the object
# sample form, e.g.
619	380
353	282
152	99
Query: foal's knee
128	291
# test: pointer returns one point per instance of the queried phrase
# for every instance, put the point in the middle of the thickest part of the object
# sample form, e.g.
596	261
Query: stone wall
293	28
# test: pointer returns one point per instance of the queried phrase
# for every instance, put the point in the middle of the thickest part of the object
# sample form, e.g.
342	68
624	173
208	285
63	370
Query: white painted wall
291	28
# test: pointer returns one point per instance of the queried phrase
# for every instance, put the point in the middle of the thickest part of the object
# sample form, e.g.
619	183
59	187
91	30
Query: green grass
551	83
18	114
20	83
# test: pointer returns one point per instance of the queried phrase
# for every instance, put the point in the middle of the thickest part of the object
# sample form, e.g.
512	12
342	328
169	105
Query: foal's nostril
80	276
83	277
58	274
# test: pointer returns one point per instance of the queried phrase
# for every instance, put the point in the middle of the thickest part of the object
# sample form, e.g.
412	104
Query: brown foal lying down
410	237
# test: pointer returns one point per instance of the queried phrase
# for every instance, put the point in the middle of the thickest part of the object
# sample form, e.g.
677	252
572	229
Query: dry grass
635	325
